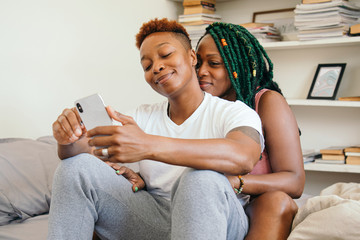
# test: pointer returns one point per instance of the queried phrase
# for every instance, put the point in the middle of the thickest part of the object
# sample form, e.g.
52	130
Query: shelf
331	42
322	103
323	167
217	1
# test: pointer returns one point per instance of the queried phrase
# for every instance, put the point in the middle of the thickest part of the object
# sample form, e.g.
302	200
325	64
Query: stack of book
352	155
310	155
264	32
198	14
332	155
325	19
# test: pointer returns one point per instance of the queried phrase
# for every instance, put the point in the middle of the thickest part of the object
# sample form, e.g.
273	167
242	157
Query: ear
193	58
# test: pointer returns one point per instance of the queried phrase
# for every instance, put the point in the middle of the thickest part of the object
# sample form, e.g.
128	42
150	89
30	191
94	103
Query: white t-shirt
214	118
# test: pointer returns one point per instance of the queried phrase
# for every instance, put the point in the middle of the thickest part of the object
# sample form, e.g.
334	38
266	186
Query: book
353	160
355	30
310	155
333	157
329	161
314	1
256	25
333	150
349	98
198	9
327	19
195	23
199	17
210	3
353	154
355	148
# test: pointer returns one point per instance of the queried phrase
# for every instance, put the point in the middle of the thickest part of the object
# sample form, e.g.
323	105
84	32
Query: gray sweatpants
87	194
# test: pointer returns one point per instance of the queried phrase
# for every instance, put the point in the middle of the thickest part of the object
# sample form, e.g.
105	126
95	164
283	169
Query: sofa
27	167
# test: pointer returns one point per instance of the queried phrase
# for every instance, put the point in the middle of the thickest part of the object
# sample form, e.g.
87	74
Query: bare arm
235	154
284	150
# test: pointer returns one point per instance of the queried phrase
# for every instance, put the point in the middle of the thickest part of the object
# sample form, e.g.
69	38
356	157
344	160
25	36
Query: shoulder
274	109
225	104
272	100
144	111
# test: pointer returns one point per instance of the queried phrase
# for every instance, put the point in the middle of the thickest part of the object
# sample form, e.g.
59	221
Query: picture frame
283	20
326	81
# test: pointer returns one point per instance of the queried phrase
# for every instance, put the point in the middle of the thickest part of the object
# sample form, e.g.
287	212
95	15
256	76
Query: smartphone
93	112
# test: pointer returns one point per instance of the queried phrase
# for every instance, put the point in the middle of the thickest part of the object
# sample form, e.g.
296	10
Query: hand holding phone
92	111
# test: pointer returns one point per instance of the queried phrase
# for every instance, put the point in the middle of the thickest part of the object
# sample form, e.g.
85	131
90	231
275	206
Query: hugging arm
235	154
284	150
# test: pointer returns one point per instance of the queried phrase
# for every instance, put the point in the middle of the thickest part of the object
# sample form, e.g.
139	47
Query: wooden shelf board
323	167
322	103
216	0
331	42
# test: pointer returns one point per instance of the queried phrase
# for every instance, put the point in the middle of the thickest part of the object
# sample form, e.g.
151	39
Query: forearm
222	155
73	149
288	182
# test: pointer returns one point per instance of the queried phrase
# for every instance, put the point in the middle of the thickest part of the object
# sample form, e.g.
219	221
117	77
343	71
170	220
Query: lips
162	79
204	85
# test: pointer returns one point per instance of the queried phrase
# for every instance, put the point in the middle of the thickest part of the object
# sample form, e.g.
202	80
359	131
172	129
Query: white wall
53	52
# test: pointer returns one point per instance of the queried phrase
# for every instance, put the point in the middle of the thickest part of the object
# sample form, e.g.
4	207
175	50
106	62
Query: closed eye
166	55
147	68
212	63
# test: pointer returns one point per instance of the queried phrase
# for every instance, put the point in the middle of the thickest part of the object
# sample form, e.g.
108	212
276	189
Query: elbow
244	165
300	184
297	194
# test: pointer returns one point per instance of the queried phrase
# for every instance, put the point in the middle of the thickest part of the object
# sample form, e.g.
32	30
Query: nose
202	71
158	67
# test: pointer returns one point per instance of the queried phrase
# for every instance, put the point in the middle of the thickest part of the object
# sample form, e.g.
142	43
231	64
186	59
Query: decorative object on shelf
326	81
283	20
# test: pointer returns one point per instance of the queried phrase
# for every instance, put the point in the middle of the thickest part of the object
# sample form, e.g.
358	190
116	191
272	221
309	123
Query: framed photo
283	20
326	81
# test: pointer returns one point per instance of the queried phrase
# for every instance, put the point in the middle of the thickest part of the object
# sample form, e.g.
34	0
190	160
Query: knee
282	203
278	203
71	167
202	179
199	182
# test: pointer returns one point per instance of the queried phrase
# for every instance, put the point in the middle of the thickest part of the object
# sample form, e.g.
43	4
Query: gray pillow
26	170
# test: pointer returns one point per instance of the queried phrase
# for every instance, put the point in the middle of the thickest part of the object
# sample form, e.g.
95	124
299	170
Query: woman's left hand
124	144
234	181
134	178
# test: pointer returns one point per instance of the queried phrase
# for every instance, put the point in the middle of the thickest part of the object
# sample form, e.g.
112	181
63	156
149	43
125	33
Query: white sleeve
239	114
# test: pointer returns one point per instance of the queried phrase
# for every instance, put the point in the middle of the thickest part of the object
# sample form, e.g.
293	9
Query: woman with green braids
234	66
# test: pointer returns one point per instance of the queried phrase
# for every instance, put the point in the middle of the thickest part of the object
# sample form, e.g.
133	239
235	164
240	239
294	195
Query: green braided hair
248	65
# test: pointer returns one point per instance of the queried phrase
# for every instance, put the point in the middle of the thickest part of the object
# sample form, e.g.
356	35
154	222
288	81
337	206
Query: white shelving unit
323	123
322	103
346	41
339	168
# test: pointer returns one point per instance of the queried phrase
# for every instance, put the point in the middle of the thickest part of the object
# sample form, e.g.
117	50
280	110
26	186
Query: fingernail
117	171
78	132
136	189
